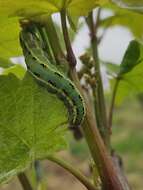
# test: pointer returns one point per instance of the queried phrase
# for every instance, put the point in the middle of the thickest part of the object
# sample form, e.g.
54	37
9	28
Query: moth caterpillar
50	77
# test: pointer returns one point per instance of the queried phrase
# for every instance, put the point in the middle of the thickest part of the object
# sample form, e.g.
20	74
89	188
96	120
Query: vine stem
70	54
73	171
113	103
97	148
24	181
100	155
100	107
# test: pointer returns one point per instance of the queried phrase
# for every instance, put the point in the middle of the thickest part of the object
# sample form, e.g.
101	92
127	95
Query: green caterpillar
48	76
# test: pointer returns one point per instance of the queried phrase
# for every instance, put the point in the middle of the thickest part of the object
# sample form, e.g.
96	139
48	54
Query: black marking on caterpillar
59	75
72	86
52	83
34	58
37	74
43	65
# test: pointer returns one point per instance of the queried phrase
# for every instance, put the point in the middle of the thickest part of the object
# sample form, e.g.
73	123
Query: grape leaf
35	8
9	37
11	11
32	124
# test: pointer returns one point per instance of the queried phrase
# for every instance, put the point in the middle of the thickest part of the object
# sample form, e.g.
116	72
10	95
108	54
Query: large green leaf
38	7
9	37
11	10
32	124
29	7
82	7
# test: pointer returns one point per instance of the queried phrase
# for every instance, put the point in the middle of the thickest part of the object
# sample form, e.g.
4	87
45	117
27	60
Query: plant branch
38	171
70	55
24	181
73	171
97	113
101	157
100	107
112	103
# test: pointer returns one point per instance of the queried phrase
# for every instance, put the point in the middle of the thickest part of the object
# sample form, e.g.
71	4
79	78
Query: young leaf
125	18
112	68
131	57
131	73
5	63
130	4
31	124
130	85
17	70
